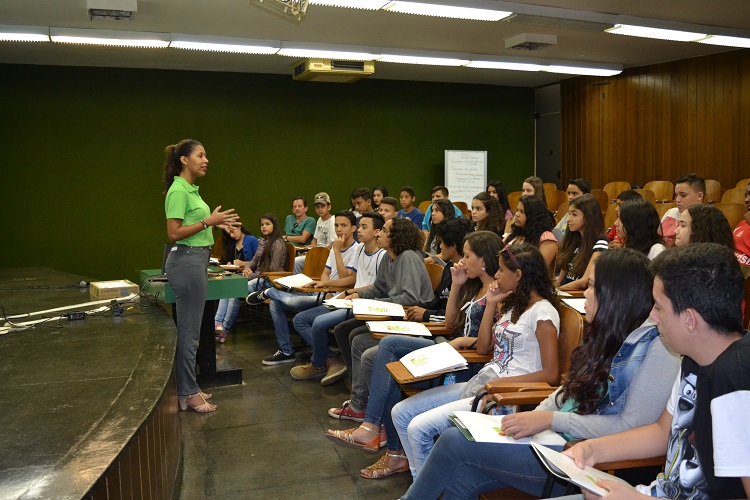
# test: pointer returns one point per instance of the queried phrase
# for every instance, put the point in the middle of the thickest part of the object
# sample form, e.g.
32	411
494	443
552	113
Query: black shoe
256	298
279	357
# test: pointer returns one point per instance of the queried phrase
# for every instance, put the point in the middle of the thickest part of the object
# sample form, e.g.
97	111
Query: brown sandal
380	469
345	438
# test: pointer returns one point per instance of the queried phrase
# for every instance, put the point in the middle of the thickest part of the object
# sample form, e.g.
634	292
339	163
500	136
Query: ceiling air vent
529	41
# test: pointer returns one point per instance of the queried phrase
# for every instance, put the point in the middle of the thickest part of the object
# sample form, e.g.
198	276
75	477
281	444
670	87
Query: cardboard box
115	289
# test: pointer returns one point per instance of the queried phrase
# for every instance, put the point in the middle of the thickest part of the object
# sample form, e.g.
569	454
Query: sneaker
256	298
307	372
346	413
336	369
279	357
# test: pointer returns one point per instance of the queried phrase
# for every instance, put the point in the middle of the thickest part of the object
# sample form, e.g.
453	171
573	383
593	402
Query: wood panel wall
150	464
659	122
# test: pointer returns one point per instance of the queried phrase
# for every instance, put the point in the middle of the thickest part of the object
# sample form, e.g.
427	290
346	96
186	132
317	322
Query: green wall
83	150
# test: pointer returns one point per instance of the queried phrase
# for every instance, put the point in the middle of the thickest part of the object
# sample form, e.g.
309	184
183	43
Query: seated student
314	323
524	347
388	208
582	244
532	224
703	224
238	247
741	236
378	193
620	377
338	272
361	199
299	227
703	431
437	193
402	278
534	186
325	230
640	228
408	210
615	241
440	210
576	189
688	190
452	233
471	279
496	189
486	214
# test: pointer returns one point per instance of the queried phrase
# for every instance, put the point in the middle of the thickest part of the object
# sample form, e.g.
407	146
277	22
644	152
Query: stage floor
73	393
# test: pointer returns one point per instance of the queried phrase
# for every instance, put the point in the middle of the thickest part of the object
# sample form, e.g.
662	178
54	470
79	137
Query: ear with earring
484	268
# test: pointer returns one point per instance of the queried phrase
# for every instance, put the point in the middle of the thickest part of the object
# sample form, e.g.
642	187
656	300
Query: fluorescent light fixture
727	41
9	33
578	70
428	9
423	60
353	4
512	66
658	33
224	44
108	37
328	51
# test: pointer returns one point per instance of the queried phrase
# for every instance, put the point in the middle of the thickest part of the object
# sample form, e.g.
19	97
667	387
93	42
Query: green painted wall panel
84	148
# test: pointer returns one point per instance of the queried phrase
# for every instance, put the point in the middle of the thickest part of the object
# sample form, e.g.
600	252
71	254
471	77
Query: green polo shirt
183	202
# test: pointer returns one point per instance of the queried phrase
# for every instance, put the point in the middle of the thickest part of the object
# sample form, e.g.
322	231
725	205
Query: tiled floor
267	439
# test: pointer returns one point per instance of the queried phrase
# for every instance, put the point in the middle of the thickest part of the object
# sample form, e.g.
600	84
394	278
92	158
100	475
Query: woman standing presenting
188	223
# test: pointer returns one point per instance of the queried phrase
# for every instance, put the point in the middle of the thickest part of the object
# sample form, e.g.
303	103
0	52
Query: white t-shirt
367	266
325	231
655	250
349	256
516	349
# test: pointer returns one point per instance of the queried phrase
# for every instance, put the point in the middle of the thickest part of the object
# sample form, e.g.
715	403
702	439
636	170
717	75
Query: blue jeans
314	324
284	301
420	418
459	468
228	309
384	391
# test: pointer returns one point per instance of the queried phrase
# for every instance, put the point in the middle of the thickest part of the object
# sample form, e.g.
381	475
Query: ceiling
238	18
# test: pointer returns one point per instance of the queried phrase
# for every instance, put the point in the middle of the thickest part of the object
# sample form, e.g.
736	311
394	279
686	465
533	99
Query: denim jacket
625	365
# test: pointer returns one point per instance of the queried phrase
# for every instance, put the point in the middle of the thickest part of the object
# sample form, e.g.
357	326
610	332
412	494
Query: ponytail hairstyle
622	286
265	259
534	277
538	187
445	207
228	244
172	163
594	224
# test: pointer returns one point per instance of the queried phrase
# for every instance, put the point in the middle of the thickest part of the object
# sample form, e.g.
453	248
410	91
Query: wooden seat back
663	190
464	208
315	262
436	272
647	194
561	211
513	199
614	188
602	197
663	208
424	206
734	195
734	212
743	183
713	191
610	216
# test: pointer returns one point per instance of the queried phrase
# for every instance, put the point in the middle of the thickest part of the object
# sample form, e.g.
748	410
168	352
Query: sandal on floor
204	407
344	438
380	469
205	395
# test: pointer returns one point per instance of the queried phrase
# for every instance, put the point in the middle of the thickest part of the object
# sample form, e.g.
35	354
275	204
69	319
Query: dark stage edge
89	407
